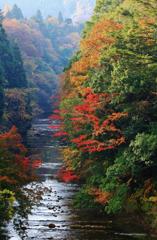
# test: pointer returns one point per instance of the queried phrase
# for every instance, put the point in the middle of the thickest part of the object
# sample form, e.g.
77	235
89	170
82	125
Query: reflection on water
52	215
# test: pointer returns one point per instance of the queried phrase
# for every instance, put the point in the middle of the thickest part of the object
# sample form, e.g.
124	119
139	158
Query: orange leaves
92	146
8	180
108	124
91	48
147	22
100	196
117	116
147	30
78	79
98	39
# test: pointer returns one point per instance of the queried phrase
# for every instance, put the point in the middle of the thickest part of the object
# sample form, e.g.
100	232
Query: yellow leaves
146	22
147	27
69	156
76	80
153	199
81	66
146	194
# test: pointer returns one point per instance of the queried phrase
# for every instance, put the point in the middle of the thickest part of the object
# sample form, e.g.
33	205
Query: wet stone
52	225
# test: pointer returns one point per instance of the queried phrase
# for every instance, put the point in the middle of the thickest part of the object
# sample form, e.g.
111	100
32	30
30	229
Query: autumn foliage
16	167
108	108
67	176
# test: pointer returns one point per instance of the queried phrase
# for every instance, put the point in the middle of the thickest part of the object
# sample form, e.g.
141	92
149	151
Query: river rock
52	225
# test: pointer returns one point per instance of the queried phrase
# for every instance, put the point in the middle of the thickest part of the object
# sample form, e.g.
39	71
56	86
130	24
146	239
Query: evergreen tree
39	17
68	21
1	91
15	13
6	58
18	79
11	62
1	72
60	18
1	16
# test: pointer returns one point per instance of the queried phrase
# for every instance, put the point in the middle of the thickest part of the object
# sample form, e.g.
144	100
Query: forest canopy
109	107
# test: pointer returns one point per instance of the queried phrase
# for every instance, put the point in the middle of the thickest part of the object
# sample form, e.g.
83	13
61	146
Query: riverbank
53	216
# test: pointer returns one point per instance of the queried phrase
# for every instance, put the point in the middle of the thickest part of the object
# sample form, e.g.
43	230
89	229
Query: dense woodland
108	103
33	52
16	168
46	46
109	109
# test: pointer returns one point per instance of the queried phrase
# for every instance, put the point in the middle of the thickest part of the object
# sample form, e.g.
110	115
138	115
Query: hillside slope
47	46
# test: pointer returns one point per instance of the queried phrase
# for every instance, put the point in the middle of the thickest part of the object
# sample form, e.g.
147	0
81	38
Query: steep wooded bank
109	109
15	106
32	54
46	46
16	168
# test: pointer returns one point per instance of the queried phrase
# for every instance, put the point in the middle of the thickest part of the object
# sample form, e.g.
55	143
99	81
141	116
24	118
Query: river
53	216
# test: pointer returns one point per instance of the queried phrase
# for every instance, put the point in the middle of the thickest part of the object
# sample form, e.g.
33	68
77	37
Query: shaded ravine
53	216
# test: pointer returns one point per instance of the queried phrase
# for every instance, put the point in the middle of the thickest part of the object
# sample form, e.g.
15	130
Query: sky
70	8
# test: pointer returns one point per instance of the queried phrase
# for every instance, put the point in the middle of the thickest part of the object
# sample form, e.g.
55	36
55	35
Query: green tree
117	59
18	79
60	18
38	17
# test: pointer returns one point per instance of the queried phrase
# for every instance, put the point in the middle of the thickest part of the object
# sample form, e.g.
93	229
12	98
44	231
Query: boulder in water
52	225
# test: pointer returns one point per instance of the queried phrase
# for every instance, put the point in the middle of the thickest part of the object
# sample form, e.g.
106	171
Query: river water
52	214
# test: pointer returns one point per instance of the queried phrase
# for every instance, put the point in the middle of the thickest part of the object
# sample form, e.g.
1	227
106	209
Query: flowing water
53	216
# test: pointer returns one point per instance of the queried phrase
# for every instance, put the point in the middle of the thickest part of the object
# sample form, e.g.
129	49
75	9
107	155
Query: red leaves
85	114
56	115
58	127
12	140
67	176
91	102
36	164
55	127
15	166
60	134
79	139
103	135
